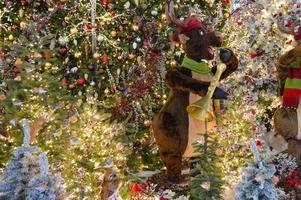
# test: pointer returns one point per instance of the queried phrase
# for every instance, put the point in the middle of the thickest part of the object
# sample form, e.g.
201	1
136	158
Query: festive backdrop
89	76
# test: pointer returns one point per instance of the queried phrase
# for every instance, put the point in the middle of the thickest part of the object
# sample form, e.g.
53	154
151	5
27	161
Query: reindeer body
287	119
173	129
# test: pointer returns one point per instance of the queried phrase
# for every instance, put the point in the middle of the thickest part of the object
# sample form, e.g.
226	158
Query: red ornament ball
16	70
62	51
81	81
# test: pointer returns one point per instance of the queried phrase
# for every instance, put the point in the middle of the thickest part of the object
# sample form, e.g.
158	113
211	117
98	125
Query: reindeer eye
201	32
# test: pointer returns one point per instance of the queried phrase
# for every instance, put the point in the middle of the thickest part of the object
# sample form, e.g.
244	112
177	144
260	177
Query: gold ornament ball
68	106
21	12
135	27
48	65
77	54
11	37
23	24
226	15
96	55
113	33
73	30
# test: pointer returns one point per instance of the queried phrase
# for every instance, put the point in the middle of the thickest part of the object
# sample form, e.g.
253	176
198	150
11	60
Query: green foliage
207	172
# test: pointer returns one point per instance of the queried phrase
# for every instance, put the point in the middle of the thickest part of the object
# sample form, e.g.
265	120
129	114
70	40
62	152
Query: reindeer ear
183	38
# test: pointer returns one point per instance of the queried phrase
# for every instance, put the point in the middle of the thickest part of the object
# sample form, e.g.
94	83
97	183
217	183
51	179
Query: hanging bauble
48	65
100	38
135	45
23	24
77	54
135	27
113	33
63	40
127	5
73	70
71	86
226	15
86	76
16	70
73	30
64	82
105	3
138	39
18	61
47	55
105	59
154	12
91	67
21	12
130	37
11	37
62	51
92	83
81	81
96	55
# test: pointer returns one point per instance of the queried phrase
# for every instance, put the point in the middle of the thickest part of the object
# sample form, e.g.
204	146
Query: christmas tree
207	176
27	174
105	61
258	180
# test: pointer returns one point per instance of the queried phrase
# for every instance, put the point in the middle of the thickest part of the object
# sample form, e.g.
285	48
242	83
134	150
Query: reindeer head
198	40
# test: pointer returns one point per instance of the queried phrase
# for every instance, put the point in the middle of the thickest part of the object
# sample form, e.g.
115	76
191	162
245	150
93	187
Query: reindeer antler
186	25
171	17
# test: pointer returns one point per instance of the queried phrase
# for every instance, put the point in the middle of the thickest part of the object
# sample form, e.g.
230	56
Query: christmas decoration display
252	32
101	66
287	119
172	125
27	174
258	180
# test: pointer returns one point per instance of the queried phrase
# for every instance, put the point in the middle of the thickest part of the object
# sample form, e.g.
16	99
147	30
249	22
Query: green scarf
198	67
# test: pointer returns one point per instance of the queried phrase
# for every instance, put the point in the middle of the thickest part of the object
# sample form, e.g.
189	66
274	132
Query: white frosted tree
27	176
256	182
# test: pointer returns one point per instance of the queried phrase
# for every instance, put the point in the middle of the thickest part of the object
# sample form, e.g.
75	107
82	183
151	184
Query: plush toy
174	129
287	119
111	183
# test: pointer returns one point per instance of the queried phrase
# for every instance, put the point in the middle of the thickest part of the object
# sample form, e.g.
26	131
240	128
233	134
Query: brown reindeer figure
171	126
287	119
